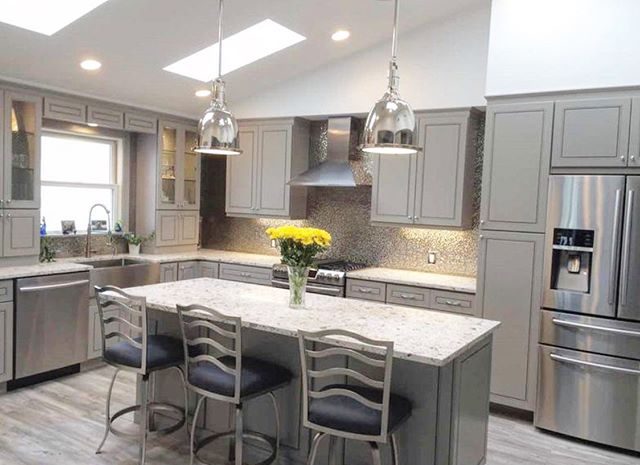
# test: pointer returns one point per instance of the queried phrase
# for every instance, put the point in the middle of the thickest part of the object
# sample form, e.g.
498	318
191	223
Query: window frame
115	184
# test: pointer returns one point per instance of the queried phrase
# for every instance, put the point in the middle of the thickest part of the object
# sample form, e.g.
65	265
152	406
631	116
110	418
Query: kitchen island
442	363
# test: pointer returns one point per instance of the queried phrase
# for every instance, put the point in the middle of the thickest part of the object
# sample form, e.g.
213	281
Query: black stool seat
257	377
348	415
162	351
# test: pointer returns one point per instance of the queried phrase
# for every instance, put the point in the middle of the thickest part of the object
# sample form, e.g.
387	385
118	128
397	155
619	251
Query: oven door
336	291
589	396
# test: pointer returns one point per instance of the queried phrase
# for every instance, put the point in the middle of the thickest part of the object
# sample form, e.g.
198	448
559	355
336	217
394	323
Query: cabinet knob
481	221
633	158
622	158
481	236
8	215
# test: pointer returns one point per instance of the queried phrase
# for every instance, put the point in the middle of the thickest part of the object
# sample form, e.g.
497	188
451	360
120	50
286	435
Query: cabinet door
21	233
634	135
242	174
516	167
274	167
591	133
168	272
393	192
188	270
209	270
23	122
190	172
170	139
443	173
189	227
509	285
6	341
65	110
105	117
167	228
136	122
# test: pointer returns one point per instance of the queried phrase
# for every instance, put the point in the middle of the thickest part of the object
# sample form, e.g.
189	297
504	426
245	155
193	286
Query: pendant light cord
220	10
396	18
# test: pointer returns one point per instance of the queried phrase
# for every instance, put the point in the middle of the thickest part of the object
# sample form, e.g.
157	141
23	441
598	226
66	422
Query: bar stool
222	373
141	353
366	411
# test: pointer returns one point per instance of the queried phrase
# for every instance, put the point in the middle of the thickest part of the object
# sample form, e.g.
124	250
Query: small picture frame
99	225
68	227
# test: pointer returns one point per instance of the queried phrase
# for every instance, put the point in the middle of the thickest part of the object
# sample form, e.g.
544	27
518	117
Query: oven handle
321	290
49	287
614	247
573	361
572	324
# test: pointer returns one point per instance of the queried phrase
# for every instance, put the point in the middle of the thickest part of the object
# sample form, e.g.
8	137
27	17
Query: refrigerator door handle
626	241
614	247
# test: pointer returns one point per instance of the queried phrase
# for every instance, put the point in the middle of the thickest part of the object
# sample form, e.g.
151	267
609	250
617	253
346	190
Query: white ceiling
135	39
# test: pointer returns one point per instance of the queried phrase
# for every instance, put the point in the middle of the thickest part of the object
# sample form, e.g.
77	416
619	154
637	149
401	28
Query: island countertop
424	336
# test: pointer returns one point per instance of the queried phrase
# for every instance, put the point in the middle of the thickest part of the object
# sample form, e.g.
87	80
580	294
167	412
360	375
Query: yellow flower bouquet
299	247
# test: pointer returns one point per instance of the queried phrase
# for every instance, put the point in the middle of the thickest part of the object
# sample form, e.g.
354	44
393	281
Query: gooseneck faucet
87	251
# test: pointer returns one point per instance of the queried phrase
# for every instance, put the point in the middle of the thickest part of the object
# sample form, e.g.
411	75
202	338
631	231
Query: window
77	172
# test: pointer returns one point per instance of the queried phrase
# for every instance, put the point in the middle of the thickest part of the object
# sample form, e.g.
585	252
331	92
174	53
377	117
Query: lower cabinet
209	270
168	272
188	270
245	274
6	341
94	349
509	283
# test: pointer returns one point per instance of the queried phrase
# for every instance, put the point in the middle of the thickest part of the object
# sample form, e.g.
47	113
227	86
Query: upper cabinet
516	167
591	133
435	186
273	152
20	179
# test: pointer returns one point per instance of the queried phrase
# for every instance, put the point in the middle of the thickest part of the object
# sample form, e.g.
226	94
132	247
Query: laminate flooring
61	422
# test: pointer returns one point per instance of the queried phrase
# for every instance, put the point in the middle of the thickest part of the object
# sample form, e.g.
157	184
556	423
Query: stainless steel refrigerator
589	352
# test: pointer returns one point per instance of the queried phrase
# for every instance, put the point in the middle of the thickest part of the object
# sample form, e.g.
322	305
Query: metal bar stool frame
197	318
342	347
111	297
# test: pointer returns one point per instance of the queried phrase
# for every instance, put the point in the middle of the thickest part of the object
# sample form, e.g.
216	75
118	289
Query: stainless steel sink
122	272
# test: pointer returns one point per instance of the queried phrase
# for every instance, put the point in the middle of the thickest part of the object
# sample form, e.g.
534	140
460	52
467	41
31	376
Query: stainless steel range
328	277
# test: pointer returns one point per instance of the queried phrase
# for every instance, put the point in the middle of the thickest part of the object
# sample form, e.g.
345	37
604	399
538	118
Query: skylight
45	16
252	44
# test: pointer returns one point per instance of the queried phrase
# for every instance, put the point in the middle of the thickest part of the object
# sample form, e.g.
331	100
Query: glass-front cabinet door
23	122
191	172
168	166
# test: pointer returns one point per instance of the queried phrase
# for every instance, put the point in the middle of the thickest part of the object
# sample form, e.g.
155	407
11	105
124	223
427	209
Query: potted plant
135	241
299	247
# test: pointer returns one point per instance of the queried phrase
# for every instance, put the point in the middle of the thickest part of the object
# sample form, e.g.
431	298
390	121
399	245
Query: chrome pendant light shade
391	124
218	129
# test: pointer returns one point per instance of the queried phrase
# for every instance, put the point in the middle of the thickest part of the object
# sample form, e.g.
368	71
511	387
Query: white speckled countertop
433	338
41	269
416	278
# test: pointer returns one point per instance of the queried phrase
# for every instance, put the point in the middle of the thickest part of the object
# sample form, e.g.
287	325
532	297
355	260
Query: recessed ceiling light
340	35
203	93
90	65
252	44
45	16
93	125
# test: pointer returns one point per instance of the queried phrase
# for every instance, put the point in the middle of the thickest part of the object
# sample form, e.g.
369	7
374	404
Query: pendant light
391	124
218	129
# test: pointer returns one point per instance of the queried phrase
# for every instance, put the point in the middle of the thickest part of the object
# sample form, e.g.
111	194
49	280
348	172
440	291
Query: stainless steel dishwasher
51	322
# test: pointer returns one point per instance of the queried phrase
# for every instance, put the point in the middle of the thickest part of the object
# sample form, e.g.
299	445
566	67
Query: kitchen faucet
87	251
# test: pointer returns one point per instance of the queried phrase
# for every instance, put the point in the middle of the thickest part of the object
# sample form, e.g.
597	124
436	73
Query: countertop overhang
423	336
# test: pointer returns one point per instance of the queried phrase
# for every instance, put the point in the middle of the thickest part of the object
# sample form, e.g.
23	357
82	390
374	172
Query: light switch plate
432	257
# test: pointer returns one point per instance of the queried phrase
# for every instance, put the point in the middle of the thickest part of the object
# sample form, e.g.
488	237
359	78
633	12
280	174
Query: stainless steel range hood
336	170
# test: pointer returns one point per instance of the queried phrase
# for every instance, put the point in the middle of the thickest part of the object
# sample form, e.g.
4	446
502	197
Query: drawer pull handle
365	290
454	303
409	296
573	361
245	275
605	329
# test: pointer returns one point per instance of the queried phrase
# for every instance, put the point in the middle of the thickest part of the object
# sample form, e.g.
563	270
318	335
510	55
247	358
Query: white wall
547	45
441	65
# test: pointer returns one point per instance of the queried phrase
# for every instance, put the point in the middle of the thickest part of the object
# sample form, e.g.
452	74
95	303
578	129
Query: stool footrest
254	435
152	407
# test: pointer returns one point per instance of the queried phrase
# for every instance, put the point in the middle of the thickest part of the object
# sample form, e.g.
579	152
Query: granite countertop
429	337
416	278
41	269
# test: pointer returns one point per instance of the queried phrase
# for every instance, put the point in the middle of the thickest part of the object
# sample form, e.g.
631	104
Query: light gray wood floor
61	422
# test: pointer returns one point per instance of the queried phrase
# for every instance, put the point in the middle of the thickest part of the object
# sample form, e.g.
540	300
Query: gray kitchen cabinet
408	295
634	134
168	225
21	233
209	270
168	272
274	151
188	227
435	186
72	111
591	132
245	274
509	291
516	167
94	349
105	117
188	270
366	290
6	341
456	302
444	185
138	122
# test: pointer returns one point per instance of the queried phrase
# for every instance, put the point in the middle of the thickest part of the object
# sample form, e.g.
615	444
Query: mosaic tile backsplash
74	245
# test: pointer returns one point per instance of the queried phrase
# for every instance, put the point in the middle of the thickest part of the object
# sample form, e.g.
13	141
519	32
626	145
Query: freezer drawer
589	396
590	334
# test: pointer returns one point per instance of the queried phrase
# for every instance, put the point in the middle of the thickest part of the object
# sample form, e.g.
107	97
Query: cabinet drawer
209	270
105	117
453	302
65	110
135	122
408	295
6	291
367	290
245	274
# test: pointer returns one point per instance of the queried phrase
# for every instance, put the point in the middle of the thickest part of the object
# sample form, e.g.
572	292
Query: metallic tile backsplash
345	213
74	245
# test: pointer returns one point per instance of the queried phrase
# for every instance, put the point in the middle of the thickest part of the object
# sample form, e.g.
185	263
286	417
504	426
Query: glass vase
298	276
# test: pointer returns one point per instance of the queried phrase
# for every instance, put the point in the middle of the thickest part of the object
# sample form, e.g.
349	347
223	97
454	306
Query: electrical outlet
432	257
274	243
